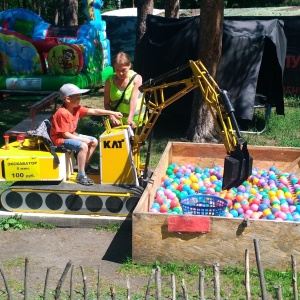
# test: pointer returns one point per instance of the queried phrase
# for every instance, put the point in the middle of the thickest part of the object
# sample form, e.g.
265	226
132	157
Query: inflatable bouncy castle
34	55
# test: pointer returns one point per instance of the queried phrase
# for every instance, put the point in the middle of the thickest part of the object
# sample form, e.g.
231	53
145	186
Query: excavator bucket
237	167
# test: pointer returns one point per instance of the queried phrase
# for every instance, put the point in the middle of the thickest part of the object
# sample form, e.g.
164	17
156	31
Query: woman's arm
133	101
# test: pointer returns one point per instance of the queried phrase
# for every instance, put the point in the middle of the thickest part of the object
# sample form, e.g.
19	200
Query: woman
114	88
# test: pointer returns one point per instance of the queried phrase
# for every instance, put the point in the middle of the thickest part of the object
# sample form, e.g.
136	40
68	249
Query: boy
64	124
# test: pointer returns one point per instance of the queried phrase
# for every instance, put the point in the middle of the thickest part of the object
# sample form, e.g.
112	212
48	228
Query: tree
202	128
70	12
172	9
144	7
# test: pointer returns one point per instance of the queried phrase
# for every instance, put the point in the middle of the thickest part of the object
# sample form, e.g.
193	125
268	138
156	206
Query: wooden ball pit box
218	239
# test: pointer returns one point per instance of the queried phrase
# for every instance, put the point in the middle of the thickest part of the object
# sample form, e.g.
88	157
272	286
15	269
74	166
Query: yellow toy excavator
41	185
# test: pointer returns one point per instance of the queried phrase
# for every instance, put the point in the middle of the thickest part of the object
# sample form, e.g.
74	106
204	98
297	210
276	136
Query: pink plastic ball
160	200
281	215
255	216
254	207
229	215
249	212
284	208
292	208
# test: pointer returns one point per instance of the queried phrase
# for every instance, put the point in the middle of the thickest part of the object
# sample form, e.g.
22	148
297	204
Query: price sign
18	169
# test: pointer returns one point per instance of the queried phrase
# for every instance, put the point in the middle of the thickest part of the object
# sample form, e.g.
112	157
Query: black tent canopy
253	56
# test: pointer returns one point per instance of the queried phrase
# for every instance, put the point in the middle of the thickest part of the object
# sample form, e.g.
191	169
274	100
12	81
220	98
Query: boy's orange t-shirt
64	121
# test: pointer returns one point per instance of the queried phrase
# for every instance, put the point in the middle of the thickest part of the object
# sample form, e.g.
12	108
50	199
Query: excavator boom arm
155	101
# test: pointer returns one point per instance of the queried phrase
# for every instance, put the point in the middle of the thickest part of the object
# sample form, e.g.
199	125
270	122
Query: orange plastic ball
164	208
239	198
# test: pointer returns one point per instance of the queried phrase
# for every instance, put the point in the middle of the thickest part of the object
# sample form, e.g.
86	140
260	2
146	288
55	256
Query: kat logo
113	144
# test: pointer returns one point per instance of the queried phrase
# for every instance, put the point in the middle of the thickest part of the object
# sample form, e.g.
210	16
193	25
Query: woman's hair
121	58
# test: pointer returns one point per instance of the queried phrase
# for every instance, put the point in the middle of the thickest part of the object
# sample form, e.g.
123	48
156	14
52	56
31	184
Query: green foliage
109	5
15	222
109	227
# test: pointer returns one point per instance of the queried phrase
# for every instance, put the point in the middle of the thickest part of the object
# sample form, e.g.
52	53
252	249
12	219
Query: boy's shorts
75	145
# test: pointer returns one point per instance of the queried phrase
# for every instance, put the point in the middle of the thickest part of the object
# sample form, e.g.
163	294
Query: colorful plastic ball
202	190
270	217
169	171
187	181
255	216
193	178
186	187
228	215
263	206
177	210
289	217
254	207
178	174
245	207
183	194
249	212
164	208
281	215
195	186
159	193
267	212
229	196
156	206
191	192
159	200
174	203
239	197
255	201
234	213
284	208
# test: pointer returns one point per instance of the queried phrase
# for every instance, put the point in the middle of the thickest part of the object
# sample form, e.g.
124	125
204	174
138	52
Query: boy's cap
70	89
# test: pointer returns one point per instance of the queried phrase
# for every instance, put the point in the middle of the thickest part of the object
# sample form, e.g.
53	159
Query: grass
231	280
109	227
15	222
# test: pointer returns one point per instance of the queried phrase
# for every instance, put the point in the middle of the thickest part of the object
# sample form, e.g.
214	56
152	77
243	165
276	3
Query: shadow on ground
120	249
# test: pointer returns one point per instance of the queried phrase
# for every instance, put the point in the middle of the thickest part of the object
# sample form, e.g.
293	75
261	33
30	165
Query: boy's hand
118	115
114	121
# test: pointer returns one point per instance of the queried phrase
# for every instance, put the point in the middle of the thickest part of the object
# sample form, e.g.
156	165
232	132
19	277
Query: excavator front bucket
237	167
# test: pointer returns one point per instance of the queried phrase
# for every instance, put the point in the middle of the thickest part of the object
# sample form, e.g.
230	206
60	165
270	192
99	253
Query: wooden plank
228	238
26	125
225	243
43	104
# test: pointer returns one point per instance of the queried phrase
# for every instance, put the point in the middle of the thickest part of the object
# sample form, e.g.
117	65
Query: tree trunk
144	7
202	127
172	9
70	12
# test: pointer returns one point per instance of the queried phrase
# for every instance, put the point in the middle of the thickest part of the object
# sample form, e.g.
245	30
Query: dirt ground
53	248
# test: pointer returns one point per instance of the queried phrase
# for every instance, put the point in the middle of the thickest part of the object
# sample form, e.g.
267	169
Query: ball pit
267	194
